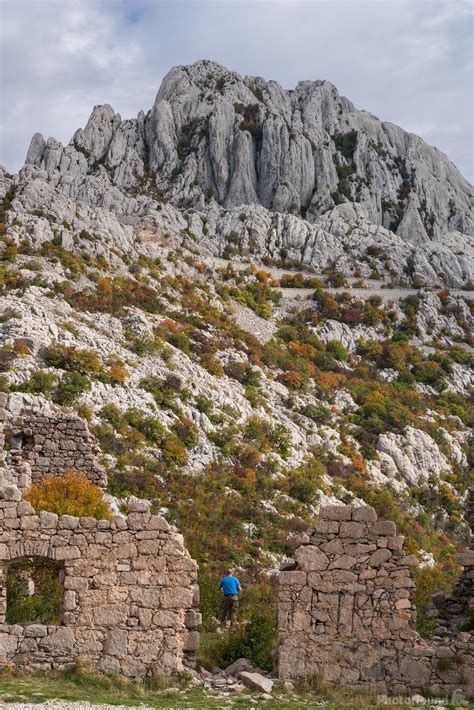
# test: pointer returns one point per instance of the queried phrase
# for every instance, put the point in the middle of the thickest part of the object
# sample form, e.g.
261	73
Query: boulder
256	681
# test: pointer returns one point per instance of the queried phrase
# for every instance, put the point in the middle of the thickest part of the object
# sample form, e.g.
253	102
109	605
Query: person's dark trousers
228	608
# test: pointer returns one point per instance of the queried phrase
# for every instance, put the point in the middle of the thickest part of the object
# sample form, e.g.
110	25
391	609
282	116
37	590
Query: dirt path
374	288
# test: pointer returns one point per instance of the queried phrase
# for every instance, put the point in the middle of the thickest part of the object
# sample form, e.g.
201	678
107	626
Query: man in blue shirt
230	587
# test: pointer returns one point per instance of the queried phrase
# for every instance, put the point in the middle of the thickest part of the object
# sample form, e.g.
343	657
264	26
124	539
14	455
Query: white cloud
408	62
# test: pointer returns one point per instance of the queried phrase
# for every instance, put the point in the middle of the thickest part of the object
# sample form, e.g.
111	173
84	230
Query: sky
407	61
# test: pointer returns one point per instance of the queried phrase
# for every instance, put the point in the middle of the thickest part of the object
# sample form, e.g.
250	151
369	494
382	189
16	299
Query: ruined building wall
130	592
42	445
456	610
345	612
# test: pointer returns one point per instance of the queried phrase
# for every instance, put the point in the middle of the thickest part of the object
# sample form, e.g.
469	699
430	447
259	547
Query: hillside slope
141	285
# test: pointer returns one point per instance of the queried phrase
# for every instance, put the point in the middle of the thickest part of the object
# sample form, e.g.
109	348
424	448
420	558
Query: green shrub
180	340
73	359
204	405
151	428
113	414
40	382
267	437
187	432
174	452
305	481
336	348
44	606
164	390
71	385
319	413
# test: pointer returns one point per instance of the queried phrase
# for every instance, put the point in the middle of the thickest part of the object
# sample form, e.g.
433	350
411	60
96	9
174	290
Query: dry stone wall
345	612
47	444
455	611
130	592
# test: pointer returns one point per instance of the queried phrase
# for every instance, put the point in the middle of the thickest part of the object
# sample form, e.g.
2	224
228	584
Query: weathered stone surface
351	619
365	513
64	433
311	559
256	681
335	512
385	527
379	557
122	592
240	665
195	143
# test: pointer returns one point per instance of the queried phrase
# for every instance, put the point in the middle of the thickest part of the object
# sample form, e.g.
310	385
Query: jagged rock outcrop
271	166
247	140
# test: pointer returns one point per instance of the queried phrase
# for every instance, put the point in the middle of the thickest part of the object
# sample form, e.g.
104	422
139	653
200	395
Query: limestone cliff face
301	173
246	141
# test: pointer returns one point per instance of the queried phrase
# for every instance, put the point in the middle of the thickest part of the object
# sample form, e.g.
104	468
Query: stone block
364	513
335	512
60	640
68	522
35	630
69	601
108	665
256	681
334	547
343	562
158	522
67	552
137	521
379	557
466	559
48	520
193	619
326	527
411	561
296	578
352	530
191	642
385	527
311	559
396	542
115	643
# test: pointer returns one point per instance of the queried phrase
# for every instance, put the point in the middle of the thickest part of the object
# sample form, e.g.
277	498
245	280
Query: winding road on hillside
374	288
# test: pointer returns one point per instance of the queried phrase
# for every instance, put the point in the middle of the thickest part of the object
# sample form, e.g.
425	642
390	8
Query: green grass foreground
165	692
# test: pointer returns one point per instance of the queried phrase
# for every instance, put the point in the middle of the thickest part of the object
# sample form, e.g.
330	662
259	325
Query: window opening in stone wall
35	588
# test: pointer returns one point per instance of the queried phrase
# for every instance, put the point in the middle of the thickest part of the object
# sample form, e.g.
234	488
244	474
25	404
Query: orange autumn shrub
69	494
291	379
117	374
329	379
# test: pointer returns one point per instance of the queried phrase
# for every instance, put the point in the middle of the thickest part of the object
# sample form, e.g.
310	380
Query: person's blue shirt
229	585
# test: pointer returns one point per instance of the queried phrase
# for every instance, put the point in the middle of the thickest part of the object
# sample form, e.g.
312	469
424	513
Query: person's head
229	572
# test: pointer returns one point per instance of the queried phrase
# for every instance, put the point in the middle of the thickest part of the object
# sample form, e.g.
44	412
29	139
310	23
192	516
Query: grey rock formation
300	175
248	141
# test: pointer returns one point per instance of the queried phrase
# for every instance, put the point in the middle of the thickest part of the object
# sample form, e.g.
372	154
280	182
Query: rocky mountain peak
216	140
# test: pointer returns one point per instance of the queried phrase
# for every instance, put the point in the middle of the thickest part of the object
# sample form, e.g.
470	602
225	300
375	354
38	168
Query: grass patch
83	685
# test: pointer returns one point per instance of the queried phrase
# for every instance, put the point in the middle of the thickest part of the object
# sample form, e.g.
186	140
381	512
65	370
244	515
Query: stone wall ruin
130	595
42	445
345	612
130	591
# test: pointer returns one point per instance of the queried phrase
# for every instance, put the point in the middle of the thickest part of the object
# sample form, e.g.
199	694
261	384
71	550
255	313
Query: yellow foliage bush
69	494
